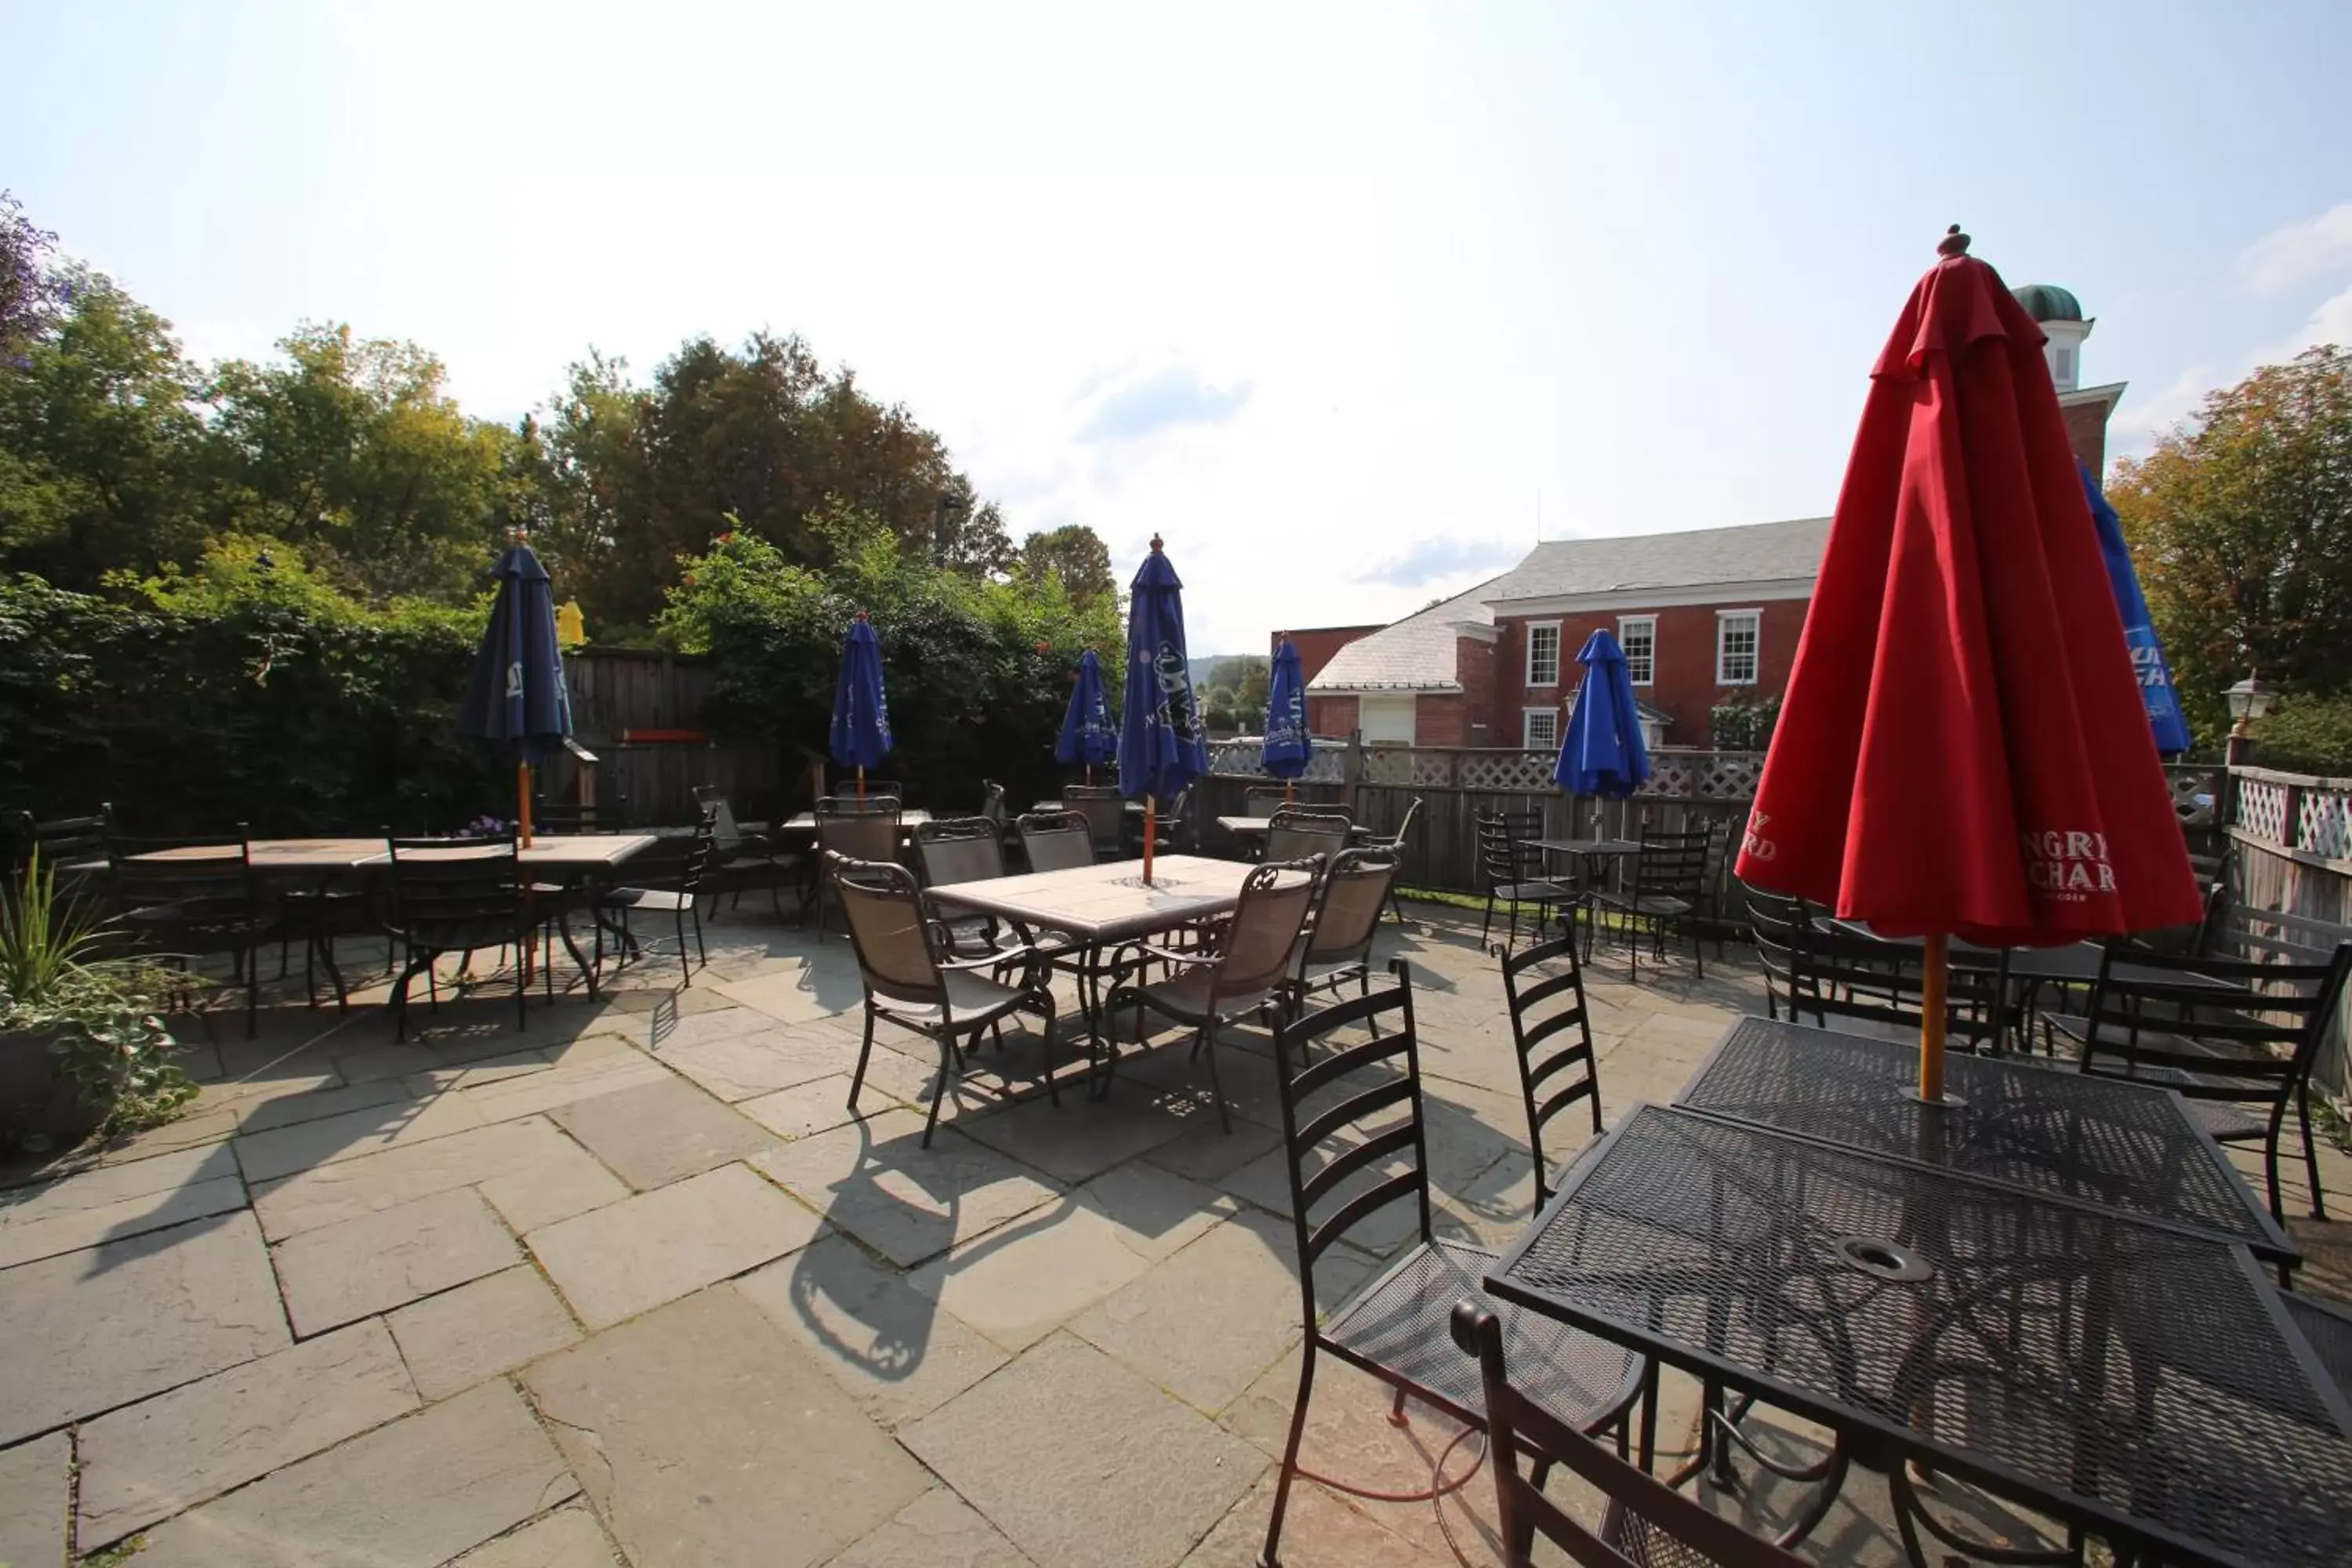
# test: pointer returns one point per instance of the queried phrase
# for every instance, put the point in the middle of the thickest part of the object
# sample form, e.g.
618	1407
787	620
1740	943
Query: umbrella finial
1954	242
1155	545
860	615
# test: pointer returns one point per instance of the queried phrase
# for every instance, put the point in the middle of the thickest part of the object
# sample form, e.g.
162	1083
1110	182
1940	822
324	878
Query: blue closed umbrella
1289	748
861	713
2156	689
1603	753
516	698
1087	738
1162	746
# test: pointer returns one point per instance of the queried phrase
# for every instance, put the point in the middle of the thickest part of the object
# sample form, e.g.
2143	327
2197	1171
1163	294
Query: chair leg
947	1077
252	992
865	1049
1289	1467
685	963
702	953
1209	1043
1488	924
2310	1150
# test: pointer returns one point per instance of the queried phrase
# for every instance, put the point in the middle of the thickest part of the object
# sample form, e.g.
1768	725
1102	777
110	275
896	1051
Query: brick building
1707	616
1317	644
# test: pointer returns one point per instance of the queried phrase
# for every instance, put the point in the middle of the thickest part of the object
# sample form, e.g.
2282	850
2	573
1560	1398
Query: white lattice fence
2324	823
2196	792
2261	809
1523	772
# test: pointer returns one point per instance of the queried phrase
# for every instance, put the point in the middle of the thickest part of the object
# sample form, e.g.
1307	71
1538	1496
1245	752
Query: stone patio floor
632	1286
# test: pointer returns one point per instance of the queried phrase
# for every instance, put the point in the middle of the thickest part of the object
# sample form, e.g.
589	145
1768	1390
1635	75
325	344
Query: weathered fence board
2291	853
617	691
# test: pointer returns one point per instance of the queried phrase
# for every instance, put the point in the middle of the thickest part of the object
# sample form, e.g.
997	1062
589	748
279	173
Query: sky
1350	304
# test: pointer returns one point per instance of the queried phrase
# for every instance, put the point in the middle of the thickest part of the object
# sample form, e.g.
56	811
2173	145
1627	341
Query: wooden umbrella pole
1932	1019
861	783
522	801
1150	832
1290	791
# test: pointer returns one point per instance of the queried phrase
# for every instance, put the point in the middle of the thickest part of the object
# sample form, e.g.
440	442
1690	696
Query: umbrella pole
522	801
1289	790
861	783
1932	1019
1150	832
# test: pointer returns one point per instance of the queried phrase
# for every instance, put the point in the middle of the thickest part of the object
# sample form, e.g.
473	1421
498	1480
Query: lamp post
2249	699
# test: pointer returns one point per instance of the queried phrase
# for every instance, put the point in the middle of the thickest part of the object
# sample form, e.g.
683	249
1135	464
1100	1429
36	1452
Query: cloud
1426	560
2297	252
1147	405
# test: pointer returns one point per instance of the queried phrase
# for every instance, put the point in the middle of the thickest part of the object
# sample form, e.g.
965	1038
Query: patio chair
741	860
847	796
1213	987
2327	1325
1337	946
1839	973
1172	823
60	841
457	895
992	807
2236	1039
681	902
1669	885
912	980
1055	840
964	849
1105	810
866	830
1777	923
1354	1145
1298	832
1260	801
1394	844
560	818
1645	1524
1513	873
203	900
1543	991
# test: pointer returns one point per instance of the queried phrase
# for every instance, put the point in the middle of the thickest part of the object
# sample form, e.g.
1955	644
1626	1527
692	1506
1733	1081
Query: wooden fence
659	699
2291	852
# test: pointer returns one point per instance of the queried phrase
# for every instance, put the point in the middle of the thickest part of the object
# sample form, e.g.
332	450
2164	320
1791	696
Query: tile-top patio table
548	852
269	854
1108	902
2048	1129
2138	1381
806	822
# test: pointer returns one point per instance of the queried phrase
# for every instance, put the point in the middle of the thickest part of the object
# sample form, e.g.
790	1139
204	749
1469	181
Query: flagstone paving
631	1286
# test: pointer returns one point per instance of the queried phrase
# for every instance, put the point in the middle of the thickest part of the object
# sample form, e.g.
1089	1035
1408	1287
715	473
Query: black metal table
2047	1130
2139	1381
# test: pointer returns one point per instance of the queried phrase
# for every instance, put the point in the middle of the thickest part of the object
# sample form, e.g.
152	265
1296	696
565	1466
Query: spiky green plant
46	941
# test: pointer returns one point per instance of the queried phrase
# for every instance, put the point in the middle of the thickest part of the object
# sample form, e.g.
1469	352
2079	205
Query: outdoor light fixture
2249	700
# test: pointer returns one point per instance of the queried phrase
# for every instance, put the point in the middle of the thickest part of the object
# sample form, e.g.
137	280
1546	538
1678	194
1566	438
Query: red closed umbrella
1963	748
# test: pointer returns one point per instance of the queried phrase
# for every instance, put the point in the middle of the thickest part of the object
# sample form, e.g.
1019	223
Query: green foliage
1740	724
237	692
2241	527
978	672
2307	734
110	1047
1077	554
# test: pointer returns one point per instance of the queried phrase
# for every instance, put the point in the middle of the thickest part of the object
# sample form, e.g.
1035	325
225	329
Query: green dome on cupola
2049	302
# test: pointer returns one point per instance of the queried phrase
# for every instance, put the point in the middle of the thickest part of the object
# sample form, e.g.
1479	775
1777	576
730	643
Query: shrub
2307	734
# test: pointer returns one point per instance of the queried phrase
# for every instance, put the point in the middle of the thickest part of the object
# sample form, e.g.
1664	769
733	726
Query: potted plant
81	1051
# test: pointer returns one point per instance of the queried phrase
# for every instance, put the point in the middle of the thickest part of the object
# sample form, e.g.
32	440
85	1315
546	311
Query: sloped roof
1751	552
1416	654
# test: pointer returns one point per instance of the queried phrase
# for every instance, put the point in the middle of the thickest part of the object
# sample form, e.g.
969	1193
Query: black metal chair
1055	840
964	849
1260	801
1669	886
1337	946
459	895
1242	970
562	818
2327	1325
742	861
856	829
911	979
848	796
1513	873
2226	1034
1351	1114
178	899
681	902
1840	973
1777	923
1646	1523
1543	990
1295	831
992	807
60	841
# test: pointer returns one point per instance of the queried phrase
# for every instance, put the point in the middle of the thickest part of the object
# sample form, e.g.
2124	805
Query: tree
2241	525
1077	553
98	438
28	287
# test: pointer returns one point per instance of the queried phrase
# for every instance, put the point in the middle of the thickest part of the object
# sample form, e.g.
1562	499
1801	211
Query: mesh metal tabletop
2127	1146
2137	1380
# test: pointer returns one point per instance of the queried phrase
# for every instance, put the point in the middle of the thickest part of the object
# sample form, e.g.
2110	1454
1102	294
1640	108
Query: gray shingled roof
1416	654
1756	551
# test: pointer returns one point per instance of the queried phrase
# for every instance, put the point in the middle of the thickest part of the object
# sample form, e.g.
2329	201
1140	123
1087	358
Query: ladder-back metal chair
1777	923
1840	973
680	900
1245	970
1669	886
912	980
1552	1036
1645	1524
178	899
1355	1143
1513	873
2234	1038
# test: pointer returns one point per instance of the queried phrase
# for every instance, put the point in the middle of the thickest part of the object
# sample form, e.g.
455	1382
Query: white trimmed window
1543	653
1539	727
1638	636
1736	634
